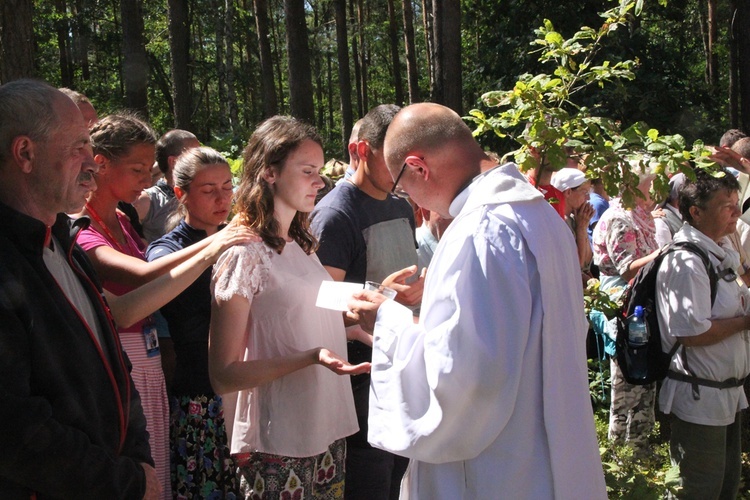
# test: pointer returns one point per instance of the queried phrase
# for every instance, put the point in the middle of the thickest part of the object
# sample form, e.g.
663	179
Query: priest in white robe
488	392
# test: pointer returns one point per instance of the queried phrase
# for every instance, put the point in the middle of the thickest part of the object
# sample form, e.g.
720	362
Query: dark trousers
372	474
709	458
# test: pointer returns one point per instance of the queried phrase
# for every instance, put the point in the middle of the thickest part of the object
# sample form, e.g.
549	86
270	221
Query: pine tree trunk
429	41
345	84
268	85
355	58
298	55
16	40
82	38
712	60
276	39
742	31
62	27
219	64
411	53
135	63
733	87
362	56
179	48
398	85
447	60
234	121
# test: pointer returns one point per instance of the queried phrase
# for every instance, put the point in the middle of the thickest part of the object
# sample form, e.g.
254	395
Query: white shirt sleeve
683	296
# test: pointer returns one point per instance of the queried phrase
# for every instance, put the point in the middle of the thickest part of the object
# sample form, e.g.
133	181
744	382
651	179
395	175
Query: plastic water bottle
637	331
637	340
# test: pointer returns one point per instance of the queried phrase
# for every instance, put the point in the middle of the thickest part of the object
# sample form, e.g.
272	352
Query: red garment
553	195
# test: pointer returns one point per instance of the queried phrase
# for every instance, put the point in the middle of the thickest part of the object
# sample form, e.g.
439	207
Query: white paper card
336	294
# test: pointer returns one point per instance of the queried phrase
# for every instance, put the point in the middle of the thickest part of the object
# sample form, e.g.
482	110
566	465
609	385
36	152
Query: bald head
433	154
423	127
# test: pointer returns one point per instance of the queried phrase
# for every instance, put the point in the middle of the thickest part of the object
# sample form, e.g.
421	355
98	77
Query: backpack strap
713	276
713	279
696	381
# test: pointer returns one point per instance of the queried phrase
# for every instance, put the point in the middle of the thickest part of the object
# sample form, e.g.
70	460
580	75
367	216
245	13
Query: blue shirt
600	205
188	316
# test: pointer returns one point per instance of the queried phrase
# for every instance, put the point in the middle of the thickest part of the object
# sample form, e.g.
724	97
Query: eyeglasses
396	191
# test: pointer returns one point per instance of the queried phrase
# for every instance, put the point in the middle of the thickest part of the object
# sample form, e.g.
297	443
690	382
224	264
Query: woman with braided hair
123	148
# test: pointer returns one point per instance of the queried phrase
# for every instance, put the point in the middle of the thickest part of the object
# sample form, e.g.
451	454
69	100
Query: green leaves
541	115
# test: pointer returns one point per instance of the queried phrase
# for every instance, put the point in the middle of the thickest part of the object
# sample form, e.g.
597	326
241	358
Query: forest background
650	81
219	67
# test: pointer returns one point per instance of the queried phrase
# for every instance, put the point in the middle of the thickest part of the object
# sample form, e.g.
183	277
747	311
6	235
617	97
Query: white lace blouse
300	414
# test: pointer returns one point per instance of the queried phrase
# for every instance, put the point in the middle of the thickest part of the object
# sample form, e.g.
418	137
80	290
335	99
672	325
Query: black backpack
642	292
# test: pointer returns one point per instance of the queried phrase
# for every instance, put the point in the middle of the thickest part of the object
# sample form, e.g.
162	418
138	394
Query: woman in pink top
123	148
287	408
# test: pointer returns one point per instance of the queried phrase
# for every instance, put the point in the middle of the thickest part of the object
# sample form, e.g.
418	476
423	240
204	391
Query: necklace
107	232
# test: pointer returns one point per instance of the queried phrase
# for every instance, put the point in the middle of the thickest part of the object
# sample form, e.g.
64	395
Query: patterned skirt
148	378
201	464
273	477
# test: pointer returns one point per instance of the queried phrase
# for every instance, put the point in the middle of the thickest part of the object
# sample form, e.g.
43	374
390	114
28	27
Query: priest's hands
363	308
409	294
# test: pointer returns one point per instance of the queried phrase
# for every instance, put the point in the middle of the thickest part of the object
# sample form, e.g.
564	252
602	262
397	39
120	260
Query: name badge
151	339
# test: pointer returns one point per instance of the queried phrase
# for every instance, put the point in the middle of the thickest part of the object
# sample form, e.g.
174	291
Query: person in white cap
575	188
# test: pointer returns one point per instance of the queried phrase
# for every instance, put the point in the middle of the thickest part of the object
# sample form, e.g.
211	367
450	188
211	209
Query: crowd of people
161	337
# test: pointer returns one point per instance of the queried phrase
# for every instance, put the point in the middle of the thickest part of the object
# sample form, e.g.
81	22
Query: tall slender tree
733	81
398	85
278	52
220	64
345	84
447	61
712	57
363	50
742	32
16	39
268	85
63	43
298	56
355	58
135	62
429	37
234	122
412	69
179	49
82	37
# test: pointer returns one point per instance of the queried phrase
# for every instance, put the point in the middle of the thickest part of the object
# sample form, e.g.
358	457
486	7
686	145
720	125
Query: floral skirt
201	464
272	477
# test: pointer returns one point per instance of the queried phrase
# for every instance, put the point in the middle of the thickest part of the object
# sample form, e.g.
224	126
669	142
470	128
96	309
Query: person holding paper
488	392
367	233
287	410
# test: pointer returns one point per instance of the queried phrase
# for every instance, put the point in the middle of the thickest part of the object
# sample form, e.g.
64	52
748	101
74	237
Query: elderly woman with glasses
703	392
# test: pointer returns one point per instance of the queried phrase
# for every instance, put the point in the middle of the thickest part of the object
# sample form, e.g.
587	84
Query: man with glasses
366	234
488	392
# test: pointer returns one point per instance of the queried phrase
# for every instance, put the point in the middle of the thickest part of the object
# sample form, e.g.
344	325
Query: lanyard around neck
107	232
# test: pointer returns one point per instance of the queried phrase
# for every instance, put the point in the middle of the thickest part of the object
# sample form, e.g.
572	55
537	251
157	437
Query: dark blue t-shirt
188	316
369	239
366	237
